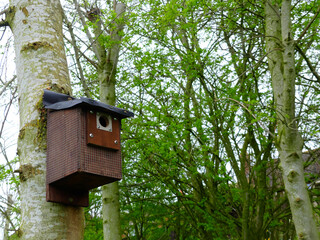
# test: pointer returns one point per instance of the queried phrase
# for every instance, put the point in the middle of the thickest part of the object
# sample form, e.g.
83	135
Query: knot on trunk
292	174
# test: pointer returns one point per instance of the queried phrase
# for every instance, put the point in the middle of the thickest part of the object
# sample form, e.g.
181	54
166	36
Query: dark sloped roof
59	101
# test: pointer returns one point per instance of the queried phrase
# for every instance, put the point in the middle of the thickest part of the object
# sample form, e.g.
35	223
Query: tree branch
4	23
312	69
7	84
309	24
84	24
77	58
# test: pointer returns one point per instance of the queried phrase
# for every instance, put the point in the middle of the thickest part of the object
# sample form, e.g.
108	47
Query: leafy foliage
199	160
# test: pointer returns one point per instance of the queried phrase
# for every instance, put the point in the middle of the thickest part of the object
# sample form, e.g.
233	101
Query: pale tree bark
280	49
107	79
40	63
106	73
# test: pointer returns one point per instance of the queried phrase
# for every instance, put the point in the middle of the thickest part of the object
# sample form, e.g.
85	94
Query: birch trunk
107	78
40	63
106	71
107	66
280	49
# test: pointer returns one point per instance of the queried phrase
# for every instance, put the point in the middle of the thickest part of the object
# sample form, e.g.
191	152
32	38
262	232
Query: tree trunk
280	49
40	63
107	79
106	71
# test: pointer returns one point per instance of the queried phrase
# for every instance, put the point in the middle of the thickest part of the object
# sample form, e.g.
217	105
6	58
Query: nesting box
83	147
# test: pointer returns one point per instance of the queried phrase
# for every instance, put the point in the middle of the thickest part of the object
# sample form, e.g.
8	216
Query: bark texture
107	79
40	63
107	59
280	49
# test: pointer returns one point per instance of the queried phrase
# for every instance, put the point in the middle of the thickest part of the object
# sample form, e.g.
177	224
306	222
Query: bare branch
4	11
7	112
77	58
83	21
4	23
312	69
7	84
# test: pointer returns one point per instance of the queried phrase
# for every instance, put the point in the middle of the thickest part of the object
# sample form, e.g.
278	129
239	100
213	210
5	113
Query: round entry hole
103	121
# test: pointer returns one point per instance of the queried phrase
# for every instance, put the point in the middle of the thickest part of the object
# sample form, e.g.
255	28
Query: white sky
11	125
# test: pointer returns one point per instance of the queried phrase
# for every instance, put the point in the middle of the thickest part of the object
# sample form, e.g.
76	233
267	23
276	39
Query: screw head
91	135
116	141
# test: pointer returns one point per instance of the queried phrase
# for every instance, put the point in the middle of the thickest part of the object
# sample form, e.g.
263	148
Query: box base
81	180
78	198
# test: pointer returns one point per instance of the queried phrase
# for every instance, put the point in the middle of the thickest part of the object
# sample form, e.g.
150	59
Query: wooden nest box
83	147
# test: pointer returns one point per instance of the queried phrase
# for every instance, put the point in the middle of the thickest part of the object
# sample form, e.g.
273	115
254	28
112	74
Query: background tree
40	64
105	42
280	45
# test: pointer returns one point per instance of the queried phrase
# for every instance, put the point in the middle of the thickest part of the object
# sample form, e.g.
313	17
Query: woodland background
199	157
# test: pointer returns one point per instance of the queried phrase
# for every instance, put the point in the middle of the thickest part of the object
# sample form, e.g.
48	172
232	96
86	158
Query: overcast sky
11	126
